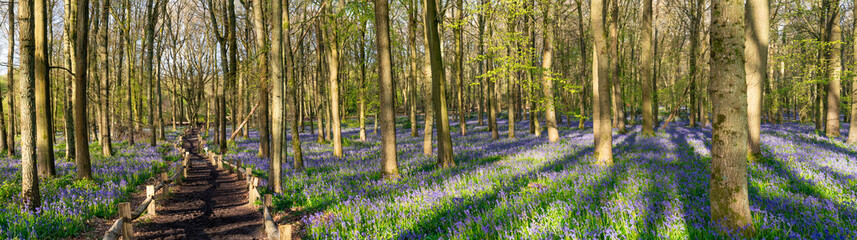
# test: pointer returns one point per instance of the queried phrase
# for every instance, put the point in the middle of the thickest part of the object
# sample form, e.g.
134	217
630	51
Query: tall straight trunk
755	65
152	15
106	144
493	91
693	60
232	73
220	94
30	179
413	69
512	76
262	60
331	37
547	82
129	64
444	140
44	119
601	87
834	67
362	96
389	165
319	108
852	128
616	83
81	79
480	66
535	128
581	41
70	9
294	112
277	113
727	89
428	130
10	135
646	69
459	65
158	93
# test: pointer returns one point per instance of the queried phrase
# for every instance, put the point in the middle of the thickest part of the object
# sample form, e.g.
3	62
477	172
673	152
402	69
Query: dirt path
210	204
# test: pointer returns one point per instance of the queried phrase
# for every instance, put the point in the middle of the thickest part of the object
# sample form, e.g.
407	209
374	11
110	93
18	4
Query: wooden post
285	231
179	179
250	191
269	200
150	192
127	227
165	179
219	162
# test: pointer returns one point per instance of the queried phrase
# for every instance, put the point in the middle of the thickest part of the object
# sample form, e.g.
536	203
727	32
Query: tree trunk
459	66
581	40
727	89
444	140
152	15
30	181
600	87
277	123
616	83
852	128
106	144
428	130
232	73
480	66
319	101
413	69
81	79
9	137
43	118
493	91
389	165
262	60
755	65
646	67
834	67
331	37
547	82
512	75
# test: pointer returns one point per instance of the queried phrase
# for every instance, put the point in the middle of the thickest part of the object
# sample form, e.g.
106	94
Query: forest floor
210	204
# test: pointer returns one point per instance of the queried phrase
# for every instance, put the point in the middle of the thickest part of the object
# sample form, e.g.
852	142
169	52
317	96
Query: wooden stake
269	200
165	179
127	227
285	231
150	192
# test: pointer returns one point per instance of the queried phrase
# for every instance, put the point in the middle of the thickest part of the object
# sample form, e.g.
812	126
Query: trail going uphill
210	204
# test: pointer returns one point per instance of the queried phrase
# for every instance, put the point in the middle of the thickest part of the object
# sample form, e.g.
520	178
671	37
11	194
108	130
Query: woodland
428	119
